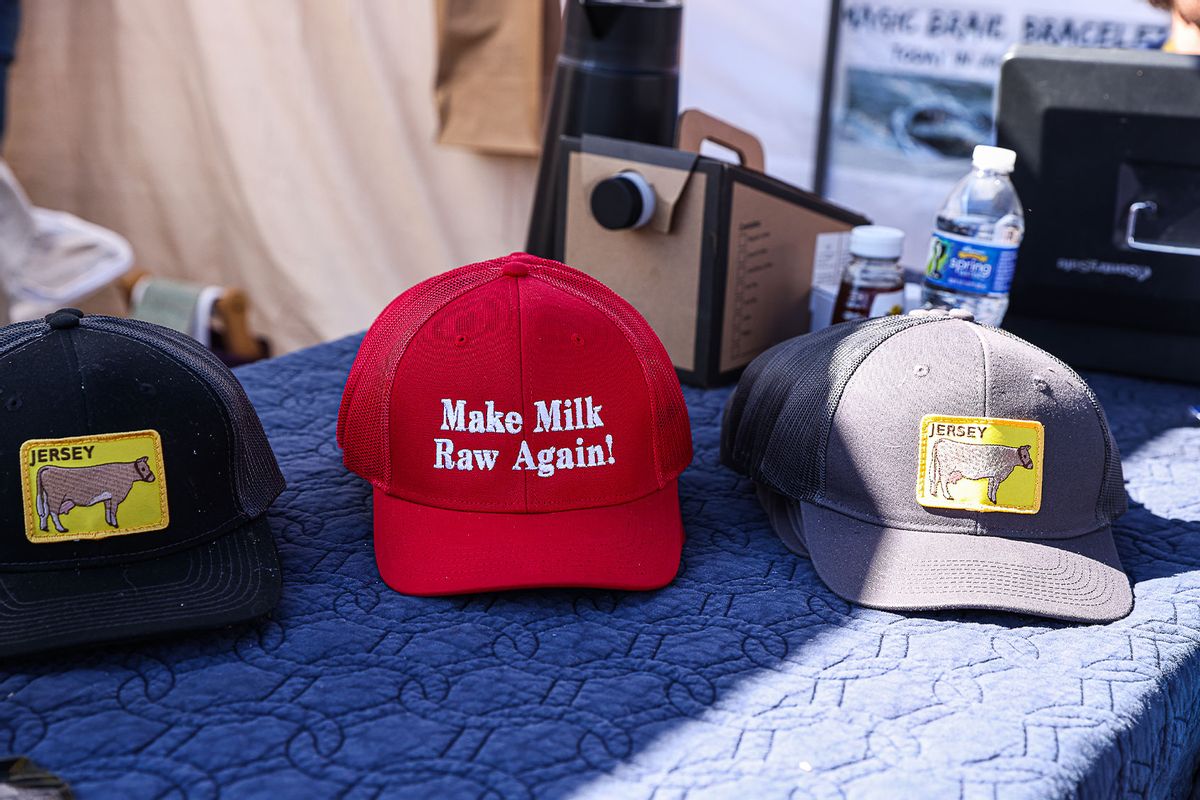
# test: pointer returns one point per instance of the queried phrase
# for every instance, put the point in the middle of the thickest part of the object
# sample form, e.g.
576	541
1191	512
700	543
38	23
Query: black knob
626	200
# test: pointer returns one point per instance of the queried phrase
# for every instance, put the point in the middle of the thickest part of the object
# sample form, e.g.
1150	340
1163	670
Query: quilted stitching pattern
745	678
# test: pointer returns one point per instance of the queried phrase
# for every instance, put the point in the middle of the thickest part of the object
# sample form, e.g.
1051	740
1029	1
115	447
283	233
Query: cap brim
423	550
1078	579
230	579
778	508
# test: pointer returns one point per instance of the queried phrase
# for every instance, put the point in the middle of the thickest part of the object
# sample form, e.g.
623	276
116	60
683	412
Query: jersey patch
93	487
981	464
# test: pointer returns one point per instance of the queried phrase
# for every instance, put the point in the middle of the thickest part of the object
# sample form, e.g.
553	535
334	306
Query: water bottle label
969	265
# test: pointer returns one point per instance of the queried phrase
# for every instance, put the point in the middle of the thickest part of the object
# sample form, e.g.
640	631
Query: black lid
616	203
137	481
623	35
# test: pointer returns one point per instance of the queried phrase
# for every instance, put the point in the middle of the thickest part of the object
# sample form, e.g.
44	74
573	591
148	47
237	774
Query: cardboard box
725	266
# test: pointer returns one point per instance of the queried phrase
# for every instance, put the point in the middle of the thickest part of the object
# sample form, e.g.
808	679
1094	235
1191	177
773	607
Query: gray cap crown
836	422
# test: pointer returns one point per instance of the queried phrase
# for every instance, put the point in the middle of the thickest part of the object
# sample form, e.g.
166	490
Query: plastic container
873	282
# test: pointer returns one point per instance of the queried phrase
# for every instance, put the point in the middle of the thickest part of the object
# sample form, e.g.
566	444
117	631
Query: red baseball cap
522	426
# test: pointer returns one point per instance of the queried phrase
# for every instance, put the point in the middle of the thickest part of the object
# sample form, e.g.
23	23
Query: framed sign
910	86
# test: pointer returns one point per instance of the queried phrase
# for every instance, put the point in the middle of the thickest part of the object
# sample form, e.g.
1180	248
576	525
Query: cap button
64	318
516	265
963	314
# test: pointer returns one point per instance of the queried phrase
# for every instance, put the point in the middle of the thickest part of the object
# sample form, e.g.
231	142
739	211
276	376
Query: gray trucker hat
928	462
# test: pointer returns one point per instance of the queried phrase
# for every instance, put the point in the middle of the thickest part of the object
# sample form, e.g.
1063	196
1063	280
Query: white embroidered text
550	416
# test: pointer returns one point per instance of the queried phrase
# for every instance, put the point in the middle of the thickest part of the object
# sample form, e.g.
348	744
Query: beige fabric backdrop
286	146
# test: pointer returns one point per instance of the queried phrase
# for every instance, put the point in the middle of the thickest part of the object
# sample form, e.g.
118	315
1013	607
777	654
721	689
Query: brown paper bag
494	62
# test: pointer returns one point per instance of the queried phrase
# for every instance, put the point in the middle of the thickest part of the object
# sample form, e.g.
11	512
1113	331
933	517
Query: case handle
1150	208
695	126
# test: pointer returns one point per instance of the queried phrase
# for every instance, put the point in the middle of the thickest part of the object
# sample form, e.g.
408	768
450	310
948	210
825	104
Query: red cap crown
516	385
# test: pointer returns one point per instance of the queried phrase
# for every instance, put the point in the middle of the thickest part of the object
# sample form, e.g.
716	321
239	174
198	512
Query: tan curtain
285	146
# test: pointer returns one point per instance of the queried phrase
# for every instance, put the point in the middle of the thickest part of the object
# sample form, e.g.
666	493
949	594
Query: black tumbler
617	75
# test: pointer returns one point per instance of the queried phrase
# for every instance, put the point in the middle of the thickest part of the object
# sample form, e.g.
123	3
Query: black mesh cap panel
778	426
741	434
258	480
17	334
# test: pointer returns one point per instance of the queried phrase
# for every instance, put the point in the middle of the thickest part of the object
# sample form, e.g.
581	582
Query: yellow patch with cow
93	487
981	464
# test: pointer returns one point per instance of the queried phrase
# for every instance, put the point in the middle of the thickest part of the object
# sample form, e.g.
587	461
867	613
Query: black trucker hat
928	462
135	482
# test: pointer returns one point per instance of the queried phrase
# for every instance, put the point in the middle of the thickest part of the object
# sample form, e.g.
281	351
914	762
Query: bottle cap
998	158
876	241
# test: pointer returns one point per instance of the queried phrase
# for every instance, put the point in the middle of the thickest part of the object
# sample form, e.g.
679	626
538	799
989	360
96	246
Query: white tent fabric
285	146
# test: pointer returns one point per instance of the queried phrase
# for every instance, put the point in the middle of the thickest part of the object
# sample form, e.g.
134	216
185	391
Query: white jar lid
876	241
1000	159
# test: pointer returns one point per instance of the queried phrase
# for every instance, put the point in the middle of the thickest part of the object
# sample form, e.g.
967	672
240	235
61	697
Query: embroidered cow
954	460
59	489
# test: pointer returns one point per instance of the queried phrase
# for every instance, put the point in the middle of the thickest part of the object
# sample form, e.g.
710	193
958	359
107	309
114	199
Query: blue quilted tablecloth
746	678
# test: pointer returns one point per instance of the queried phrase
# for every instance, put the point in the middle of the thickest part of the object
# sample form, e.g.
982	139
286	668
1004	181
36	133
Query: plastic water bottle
974	250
